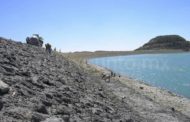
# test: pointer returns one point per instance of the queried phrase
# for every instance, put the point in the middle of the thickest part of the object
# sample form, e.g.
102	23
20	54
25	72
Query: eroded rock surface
44	87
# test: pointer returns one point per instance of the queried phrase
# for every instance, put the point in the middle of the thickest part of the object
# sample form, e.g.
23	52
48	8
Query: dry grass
78	56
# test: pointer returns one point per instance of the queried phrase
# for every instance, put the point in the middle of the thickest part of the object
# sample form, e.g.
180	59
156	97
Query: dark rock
108	109
100	89
89	104
101	95
10	69
47	103
173	109
37	117
48	95
41	109
1	105
25	73
66	118
4	88
35	40
141	87
48	82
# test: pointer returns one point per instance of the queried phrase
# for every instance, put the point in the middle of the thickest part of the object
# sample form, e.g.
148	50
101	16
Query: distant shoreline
96	54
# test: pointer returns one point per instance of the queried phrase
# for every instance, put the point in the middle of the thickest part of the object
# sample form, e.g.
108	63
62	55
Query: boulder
35	40
1	105
38	117
4	88
41	109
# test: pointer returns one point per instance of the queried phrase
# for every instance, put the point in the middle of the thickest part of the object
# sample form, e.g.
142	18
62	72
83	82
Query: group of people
36	40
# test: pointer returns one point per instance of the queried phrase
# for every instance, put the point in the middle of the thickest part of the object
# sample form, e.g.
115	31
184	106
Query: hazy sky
78	25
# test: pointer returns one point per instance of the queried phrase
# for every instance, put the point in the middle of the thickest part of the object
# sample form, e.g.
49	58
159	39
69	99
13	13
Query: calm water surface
168	71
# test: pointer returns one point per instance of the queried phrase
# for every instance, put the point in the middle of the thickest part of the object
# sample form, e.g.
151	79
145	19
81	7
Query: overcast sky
89	25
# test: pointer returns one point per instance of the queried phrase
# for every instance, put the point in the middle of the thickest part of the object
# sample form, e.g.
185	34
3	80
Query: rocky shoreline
51	88
36	86
150	102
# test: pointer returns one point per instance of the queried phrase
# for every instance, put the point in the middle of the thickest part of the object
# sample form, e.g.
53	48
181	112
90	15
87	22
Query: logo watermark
130	64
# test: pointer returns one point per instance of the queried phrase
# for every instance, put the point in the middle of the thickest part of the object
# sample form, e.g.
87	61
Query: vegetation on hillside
166	42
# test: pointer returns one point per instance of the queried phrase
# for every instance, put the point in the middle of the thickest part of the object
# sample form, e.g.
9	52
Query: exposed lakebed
167	71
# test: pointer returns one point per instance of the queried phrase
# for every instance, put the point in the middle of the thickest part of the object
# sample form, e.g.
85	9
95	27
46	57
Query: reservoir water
167	71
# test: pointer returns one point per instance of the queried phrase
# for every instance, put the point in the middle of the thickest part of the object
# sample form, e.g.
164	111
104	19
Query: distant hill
167	42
